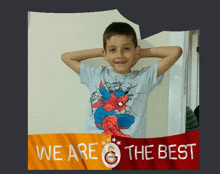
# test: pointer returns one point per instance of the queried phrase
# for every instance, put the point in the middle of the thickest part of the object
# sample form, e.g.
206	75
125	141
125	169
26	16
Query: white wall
57	102
157	113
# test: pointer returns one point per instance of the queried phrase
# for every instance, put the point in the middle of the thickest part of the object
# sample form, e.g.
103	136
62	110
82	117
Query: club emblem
111	154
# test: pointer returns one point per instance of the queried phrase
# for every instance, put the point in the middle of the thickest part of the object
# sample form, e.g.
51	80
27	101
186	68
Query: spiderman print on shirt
110	113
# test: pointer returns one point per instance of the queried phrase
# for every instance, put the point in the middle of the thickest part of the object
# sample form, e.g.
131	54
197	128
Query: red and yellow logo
111	155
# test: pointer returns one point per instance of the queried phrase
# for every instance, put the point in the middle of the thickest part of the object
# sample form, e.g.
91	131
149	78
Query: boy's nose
120	54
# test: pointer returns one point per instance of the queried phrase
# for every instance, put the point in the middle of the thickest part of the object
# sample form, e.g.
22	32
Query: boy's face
120	53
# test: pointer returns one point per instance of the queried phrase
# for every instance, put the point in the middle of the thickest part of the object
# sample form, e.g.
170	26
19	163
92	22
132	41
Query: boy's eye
112	50
127	48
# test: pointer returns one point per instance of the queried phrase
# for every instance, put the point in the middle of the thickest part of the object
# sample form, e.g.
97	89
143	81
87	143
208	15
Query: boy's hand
137	55
168	54
73	59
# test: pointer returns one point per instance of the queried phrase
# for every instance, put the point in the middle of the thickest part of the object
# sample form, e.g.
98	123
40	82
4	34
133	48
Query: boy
119	96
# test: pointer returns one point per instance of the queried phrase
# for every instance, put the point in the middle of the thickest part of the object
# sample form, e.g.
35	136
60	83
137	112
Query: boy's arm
168	54
73	59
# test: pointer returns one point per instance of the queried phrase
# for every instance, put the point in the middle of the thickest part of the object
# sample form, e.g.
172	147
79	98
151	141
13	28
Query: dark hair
119	28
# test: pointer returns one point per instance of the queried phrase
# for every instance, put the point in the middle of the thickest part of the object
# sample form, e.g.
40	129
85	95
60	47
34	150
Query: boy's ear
104	54
138	49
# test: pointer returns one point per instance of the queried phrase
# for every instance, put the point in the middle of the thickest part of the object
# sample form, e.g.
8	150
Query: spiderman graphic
105	115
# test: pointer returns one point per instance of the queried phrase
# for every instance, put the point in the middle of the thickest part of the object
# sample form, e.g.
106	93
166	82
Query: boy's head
120	47
119	28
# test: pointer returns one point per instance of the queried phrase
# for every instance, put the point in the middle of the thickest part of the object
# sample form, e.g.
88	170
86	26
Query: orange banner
66	151
106	152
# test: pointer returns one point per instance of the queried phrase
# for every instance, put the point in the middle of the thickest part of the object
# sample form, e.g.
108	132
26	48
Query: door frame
177	85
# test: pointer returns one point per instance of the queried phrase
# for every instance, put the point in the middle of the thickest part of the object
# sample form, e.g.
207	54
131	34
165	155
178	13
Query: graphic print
111	154
110	114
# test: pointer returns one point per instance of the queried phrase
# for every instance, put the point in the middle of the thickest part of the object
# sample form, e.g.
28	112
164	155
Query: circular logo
111	155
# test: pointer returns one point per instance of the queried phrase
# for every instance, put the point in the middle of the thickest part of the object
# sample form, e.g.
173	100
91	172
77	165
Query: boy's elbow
63	57
179	50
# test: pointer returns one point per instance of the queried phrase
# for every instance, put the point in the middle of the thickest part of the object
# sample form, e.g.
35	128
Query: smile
121	62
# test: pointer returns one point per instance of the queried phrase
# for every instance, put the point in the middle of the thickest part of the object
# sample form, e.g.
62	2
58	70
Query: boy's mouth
121	62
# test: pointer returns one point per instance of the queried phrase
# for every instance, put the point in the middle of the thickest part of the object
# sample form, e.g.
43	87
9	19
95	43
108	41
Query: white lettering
182	152
164	151
173	145
146	152
55	152
71	148
40	156
90	150
191	149
142	152
129	147
82	151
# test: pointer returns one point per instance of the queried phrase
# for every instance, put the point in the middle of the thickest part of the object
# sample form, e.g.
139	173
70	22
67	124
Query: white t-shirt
137	85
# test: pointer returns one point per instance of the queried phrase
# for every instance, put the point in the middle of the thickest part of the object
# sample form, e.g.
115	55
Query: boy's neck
122	73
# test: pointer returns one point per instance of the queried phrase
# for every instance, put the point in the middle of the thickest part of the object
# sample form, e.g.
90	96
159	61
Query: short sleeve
149	76
88	73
